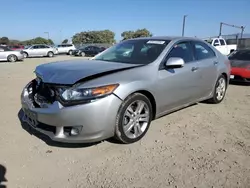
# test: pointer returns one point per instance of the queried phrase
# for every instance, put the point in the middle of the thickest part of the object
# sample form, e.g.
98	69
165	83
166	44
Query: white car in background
221	45
66	48
9	55
39	50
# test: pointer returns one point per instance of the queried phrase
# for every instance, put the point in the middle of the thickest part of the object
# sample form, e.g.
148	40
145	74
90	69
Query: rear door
224	47
45	49
39	50
208	64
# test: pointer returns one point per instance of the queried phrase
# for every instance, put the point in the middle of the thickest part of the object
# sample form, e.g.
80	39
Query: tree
65	41
127	35
38	40
136	34
102	36
4	40
50	42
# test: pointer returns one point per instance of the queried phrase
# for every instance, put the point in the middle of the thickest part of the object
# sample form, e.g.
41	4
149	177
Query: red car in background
240	63
16	47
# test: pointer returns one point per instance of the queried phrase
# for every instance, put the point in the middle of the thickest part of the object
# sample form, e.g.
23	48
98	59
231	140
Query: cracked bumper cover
96	118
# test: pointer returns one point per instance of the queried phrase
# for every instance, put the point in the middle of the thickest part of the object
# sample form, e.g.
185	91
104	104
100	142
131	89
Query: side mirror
174	62
216	44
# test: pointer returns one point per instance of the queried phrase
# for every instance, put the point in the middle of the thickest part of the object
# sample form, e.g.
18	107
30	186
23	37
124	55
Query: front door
176	87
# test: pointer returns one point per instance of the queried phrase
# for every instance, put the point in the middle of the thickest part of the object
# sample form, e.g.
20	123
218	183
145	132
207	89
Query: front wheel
50	54
133	118
219	90
25	54
82	54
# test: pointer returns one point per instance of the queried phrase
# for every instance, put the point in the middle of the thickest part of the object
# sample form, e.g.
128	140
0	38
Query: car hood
239	63
70	72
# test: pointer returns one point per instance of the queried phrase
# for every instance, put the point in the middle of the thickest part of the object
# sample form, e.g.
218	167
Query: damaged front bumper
82	123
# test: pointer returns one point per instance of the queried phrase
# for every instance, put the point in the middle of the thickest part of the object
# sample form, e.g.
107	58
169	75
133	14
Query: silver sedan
39	50
121	90
9	55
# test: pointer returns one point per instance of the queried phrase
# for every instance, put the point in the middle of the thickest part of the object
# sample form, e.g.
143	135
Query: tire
25	54
12	58
219	88
82	54
70	52
136	127
50	54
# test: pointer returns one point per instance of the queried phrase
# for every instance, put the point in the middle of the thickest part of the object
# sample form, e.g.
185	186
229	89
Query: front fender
124	90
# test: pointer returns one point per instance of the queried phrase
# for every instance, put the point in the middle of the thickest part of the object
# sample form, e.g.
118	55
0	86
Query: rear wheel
12	58
133	118
219	90
50	54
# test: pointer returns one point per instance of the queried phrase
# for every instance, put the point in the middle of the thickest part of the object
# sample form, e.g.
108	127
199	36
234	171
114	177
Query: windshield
138	51
243	55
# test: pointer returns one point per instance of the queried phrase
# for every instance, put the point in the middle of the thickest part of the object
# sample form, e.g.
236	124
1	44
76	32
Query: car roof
167	38
38	44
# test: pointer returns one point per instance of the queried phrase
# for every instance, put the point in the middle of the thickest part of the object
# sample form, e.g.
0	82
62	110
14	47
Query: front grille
42	93
239	78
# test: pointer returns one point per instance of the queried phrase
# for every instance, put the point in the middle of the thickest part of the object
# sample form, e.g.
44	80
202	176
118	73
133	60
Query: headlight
78	94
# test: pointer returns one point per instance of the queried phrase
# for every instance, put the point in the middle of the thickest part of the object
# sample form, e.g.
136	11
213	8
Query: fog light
76	130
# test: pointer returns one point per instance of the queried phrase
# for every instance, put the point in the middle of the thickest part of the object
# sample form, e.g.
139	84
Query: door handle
216	62
195	68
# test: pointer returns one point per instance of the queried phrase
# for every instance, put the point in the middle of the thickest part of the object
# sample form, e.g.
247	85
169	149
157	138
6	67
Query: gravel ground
200	146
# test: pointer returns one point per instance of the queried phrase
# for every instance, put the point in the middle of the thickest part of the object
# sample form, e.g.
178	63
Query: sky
26	19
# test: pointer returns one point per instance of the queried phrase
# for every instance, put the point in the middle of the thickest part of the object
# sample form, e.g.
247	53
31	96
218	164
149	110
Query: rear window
222	42
243	55
209	41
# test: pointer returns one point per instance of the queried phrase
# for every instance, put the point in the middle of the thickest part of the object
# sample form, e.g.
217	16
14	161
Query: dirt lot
200	146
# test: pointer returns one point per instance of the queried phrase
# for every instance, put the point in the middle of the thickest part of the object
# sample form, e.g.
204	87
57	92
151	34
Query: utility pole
242	31
47	34
183	24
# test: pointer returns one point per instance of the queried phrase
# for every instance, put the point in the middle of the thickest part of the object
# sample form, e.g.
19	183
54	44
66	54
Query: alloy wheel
136	119
221	89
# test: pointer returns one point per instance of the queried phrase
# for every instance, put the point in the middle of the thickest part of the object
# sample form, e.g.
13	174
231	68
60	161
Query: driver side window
182	50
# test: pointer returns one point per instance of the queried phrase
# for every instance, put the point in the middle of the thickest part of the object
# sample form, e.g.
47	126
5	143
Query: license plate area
231	76
30	117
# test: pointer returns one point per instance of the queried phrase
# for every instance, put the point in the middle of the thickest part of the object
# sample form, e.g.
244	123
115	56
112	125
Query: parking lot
203	145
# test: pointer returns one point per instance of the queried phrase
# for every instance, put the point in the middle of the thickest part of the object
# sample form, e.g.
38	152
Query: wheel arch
226	77
151	98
